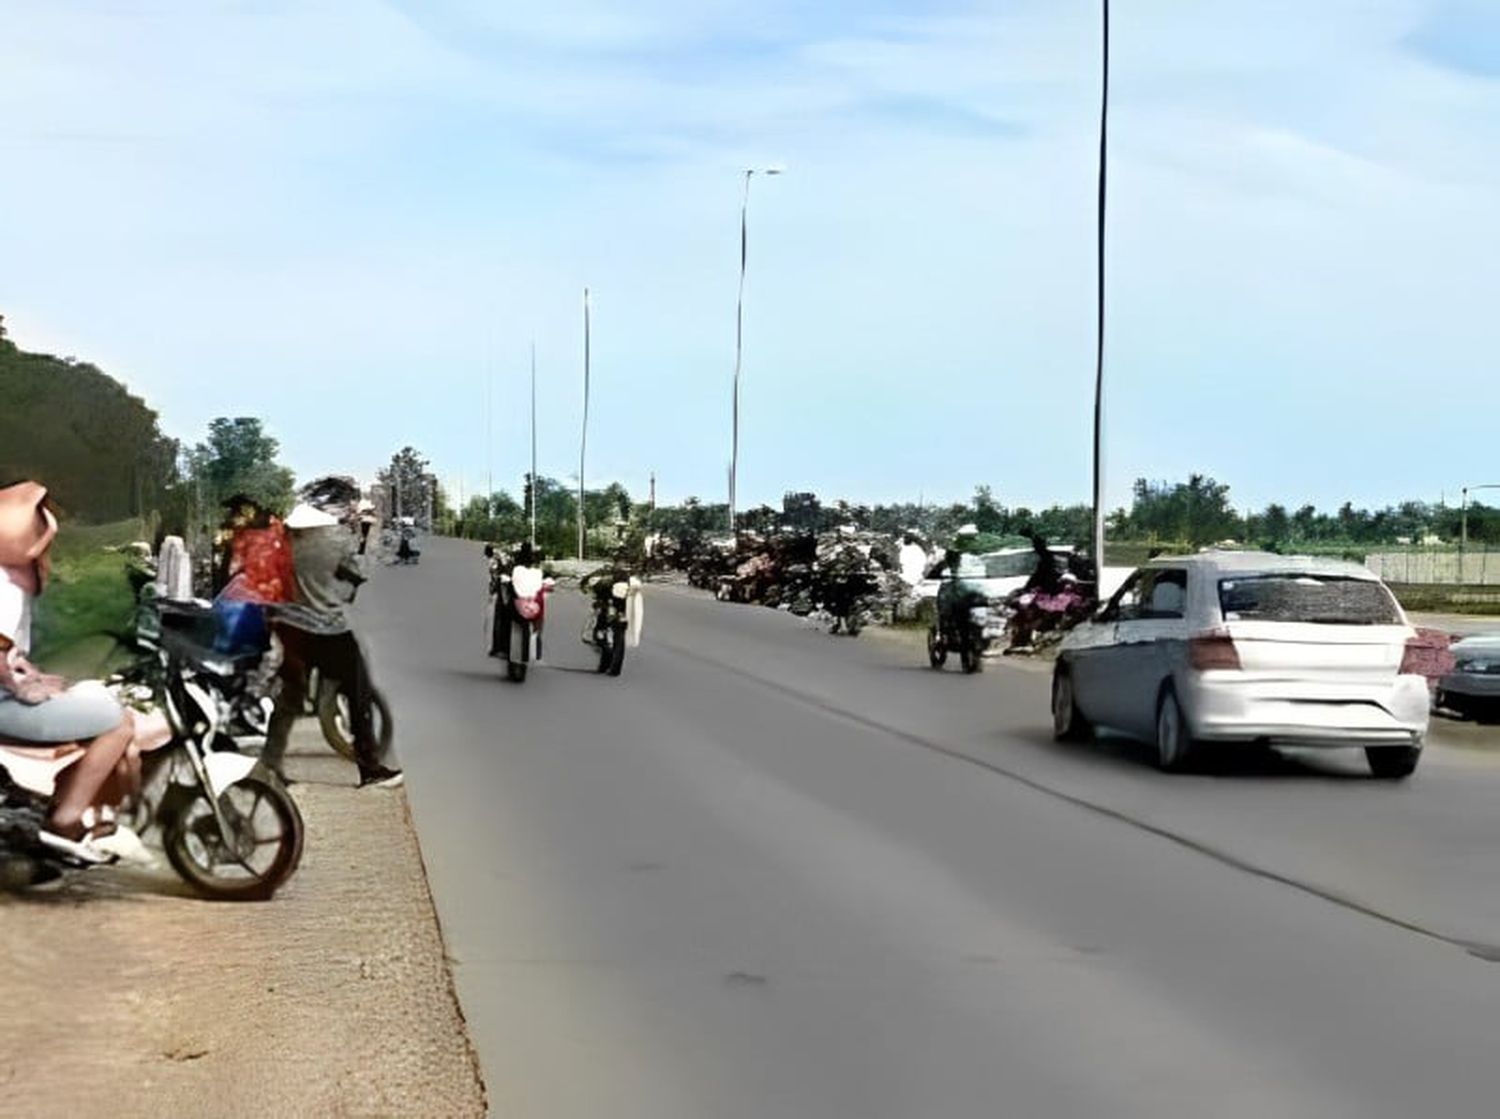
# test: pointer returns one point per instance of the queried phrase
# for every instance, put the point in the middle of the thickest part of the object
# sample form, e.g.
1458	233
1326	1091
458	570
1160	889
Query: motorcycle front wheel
937	652
266	831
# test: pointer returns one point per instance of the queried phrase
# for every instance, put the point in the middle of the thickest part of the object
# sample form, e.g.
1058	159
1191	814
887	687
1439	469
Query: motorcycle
249	696
523	595
226	823
616	621
968	626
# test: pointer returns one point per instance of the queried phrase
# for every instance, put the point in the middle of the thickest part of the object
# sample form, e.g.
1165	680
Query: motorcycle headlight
620	590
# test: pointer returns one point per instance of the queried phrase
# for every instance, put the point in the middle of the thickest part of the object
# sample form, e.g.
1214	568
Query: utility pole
1099	352
583	441
653	491
533	443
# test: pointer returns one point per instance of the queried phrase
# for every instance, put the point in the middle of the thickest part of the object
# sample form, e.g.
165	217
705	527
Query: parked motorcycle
523	595
615	622
250	696
226	823
968	627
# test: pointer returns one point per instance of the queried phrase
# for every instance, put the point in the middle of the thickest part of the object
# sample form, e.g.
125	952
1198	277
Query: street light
739	335
1099	351
1463	531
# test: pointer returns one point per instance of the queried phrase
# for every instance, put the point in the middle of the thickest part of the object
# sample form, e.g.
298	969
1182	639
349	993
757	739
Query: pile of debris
836	573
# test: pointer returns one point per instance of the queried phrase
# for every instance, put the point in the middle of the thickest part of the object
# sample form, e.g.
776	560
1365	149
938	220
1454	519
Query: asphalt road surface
769	872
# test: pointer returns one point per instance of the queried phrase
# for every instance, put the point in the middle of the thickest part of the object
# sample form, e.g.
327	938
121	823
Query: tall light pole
533	444
739	336
1463	531
1099	348
583	441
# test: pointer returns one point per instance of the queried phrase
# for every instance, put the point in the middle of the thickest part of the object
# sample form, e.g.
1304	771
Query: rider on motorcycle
602	580
41	710
956	593
502	564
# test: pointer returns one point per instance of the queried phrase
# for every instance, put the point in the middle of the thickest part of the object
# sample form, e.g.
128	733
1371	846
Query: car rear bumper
1221	708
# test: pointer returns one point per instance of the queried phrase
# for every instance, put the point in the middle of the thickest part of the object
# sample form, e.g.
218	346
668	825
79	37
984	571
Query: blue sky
349	217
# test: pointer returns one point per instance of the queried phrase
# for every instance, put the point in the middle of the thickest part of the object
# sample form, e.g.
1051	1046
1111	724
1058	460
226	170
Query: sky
353	218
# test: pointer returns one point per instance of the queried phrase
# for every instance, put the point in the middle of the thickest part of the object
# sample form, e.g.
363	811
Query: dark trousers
337	657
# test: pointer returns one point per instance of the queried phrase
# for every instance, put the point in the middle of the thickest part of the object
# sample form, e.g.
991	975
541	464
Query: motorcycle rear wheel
971	658
196	851
338	727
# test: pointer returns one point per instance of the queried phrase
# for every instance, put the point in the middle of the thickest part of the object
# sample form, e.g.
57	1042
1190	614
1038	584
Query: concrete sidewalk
127	996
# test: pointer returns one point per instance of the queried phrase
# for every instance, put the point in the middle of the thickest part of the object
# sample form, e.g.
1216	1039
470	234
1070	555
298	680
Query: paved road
773	873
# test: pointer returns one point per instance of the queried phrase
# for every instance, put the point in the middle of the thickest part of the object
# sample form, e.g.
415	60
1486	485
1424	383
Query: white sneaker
85	850
125	846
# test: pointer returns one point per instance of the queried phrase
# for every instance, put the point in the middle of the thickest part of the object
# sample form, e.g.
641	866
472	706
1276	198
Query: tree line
103	456
1172	515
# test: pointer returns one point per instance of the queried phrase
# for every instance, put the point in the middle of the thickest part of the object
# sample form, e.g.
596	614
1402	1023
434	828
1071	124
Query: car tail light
1210	651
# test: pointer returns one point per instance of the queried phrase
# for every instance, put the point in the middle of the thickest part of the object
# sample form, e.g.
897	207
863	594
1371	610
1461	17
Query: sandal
83	839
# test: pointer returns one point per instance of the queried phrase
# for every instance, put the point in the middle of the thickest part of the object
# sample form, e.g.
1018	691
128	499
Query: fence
1417	566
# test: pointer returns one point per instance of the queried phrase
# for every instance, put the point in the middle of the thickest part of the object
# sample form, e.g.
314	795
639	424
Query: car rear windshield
1317	599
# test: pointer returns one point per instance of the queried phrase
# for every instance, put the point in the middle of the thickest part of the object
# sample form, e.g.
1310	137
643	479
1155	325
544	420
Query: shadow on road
1238	761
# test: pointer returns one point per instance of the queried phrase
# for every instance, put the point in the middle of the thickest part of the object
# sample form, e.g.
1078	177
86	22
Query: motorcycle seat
209	659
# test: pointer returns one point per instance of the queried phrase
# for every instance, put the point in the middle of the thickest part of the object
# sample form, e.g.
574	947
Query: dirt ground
126	996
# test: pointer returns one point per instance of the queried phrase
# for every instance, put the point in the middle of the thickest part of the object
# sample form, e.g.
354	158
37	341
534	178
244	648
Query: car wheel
1392	763
1174	744
1068	723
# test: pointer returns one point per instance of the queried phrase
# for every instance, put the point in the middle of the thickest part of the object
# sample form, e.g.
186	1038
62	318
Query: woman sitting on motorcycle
42	710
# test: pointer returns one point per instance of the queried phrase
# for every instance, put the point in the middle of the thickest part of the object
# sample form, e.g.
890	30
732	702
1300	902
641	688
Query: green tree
239	457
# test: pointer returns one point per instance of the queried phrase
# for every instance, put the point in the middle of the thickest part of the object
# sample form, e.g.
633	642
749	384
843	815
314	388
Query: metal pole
533	444
1463	533
489	440
739	336
584	440
1099	352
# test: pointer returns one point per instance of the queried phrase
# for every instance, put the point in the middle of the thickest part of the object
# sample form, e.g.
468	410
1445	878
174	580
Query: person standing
315	633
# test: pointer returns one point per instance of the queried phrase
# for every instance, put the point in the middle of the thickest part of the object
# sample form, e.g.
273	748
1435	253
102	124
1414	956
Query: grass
88	598
1439	599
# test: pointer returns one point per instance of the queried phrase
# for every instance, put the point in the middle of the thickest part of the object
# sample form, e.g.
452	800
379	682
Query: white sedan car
1239	647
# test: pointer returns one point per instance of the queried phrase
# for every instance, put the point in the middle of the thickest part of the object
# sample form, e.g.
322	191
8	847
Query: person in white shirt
39	709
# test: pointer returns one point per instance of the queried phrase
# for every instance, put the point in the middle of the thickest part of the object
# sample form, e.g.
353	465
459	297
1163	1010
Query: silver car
1238	647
